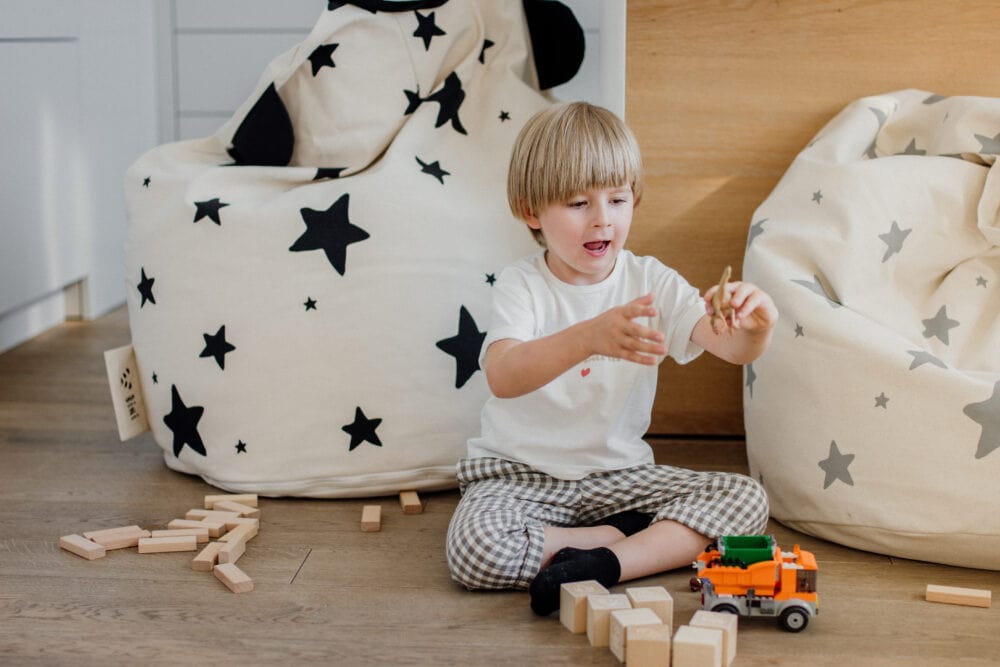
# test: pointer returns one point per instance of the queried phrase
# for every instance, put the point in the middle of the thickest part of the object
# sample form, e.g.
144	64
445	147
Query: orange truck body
756	578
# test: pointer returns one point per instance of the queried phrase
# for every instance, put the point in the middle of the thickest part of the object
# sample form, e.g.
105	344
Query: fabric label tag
126	392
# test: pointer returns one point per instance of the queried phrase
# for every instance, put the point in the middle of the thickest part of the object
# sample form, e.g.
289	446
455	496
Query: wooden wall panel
723	95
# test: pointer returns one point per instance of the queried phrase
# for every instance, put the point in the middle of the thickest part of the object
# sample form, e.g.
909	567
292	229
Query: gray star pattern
799	331
835	466
989	145
751	378
934	99
756	229
987	415
817	287
894	239
818	196
920	358
882	401
980	281
939	325
911	149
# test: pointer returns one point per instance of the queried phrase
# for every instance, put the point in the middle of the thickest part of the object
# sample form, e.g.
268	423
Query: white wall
79	104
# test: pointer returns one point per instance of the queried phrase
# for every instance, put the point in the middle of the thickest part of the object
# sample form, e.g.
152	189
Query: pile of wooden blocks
232	518
637	626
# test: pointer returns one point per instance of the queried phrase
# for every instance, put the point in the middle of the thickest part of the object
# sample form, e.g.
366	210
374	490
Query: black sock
629	522
568	565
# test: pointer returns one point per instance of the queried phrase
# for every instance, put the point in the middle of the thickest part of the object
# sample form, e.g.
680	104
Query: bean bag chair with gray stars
310	287
874	418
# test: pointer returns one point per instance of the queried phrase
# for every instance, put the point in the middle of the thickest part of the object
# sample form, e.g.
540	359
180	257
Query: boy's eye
577	203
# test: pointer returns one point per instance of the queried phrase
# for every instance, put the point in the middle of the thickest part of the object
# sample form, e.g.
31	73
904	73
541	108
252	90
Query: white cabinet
78	106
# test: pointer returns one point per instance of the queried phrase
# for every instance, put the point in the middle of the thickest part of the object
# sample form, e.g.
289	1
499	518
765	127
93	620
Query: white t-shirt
592	417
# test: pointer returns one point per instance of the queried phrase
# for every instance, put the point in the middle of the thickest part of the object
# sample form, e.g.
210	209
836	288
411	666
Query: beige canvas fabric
874	418
309	324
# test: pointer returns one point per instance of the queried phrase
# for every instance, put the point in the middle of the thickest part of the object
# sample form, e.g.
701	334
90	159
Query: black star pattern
491	278
328	172
330	231
482	52
450	97
310	303
145	182
386	5
183	421
209	209
434	169
504	116
217	346
427	29
241	447
145	287
465	347
362	430
322	57
156	380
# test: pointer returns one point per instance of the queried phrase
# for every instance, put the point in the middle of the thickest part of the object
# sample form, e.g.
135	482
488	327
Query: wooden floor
327	593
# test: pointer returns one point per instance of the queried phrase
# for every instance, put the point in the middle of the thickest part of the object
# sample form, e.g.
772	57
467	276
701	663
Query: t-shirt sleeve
681	306
512	315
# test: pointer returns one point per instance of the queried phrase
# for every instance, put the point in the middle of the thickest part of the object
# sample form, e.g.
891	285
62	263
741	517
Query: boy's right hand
615	333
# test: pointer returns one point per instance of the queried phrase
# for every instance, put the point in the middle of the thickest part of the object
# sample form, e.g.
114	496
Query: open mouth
596	248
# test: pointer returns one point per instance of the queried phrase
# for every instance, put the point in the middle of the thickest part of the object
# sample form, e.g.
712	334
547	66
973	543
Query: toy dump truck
750	575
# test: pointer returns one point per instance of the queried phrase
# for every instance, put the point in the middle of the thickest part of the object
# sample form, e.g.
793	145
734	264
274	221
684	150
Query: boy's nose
601	217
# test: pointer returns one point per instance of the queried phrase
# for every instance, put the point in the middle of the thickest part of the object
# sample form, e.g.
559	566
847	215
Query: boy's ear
557	41
532	221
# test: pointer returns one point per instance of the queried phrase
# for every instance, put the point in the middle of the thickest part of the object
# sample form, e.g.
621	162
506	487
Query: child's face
584	233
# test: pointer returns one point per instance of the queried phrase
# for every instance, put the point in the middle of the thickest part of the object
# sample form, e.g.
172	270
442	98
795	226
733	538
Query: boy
560	486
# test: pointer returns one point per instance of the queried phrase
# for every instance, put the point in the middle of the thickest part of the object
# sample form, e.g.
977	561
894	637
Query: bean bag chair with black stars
873	419
310	287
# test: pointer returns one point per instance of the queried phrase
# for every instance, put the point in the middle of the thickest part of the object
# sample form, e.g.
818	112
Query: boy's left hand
753	309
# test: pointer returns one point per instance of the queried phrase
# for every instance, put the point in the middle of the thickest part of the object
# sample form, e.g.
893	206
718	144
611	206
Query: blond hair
565	150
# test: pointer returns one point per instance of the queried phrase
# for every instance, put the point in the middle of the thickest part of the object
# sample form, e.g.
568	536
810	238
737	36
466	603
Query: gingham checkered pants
496	535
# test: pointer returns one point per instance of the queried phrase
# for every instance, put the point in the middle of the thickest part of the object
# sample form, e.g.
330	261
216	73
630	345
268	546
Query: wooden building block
215	528
212	515
573	603
232	550
656	598
81	546
969	597
207	557
649	646
371	519
241	521
728	623
200	534
697	647
245	532
410	502
117	538
157	545
239	508
622	620
233	577
242	498
599	608
109	532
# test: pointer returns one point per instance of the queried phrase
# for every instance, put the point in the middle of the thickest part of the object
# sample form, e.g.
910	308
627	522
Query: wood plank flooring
326	593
